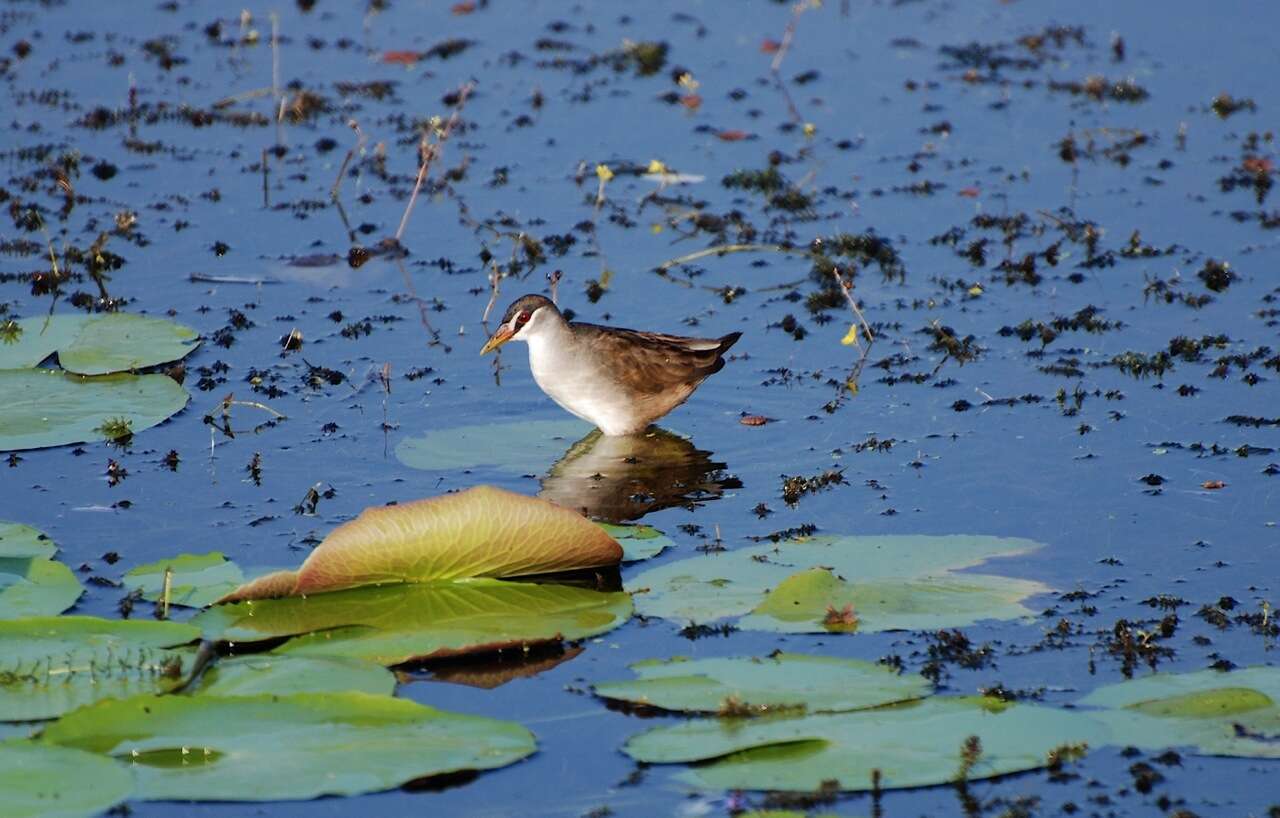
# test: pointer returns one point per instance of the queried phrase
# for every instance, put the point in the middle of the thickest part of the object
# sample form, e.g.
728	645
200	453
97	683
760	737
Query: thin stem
724	249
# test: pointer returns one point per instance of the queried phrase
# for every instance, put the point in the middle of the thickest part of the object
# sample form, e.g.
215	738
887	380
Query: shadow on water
619	479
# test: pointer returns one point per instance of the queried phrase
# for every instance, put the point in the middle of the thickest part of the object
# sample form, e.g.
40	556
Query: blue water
883	88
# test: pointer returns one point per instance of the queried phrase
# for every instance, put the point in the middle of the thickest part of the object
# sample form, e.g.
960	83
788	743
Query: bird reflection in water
622	478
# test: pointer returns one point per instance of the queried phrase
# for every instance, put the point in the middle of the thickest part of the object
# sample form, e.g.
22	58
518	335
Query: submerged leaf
781	682
913	745
119	342
394	624
283	675
480	532
639	542
51	665
1209	711
890	582
48	407
520	447
40	781
36	587
37	338
197	580
269	747
22	541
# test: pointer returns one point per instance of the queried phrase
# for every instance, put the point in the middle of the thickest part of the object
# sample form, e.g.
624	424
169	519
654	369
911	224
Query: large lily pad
1210	712
913	745
22	541
521	447
890	583
399	623
261	748
197	579
51	665
34	339
281	675
36	587
48	407
42	781
781	683
119	342
481	532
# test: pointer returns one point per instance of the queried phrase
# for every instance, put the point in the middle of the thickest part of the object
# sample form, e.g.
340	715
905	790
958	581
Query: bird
620	379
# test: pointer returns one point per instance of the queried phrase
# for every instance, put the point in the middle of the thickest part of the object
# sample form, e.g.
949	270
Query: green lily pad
48	407
639	542
119	342
198	580
52	665
36	338
283	675
36	587
1211	712
22	541
890	583
394	624
918	744
270	748
520	447
41	781
781	683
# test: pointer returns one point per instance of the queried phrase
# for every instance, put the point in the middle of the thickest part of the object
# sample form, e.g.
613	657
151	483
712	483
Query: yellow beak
499	337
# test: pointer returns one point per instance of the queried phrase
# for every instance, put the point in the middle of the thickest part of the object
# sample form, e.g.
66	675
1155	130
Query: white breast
578	384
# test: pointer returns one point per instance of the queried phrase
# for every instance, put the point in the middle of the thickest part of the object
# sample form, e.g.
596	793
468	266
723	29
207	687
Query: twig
422	307
165	592
276	99
357	148
212	279
227	102
724	249
847	289
266	203
775	67
494	277
224	406
553	279
428	152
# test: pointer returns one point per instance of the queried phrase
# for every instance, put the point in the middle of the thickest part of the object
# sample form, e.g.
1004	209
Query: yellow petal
656	167
851	337
975	290
604	173
810	129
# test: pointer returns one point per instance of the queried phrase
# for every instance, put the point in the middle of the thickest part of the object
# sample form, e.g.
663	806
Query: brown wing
651	362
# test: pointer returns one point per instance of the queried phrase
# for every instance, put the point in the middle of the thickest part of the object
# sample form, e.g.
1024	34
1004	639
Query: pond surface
1060	192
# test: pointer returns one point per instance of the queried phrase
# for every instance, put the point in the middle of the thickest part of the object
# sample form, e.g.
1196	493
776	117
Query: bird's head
526	315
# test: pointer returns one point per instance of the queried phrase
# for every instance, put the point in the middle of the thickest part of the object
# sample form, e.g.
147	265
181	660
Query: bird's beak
499	337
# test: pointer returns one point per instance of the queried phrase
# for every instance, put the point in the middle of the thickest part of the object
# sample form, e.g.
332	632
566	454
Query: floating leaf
47	407
119	342
51	665
22	541
37	338
779	683
1211	712
36	587
399	623
283	675
264	748
520	447
40	781
198	579
892	582
480	532
639	542
913	745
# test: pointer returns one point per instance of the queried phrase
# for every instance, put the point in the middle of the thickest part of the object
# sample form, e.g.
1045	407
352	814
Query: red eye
522	318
